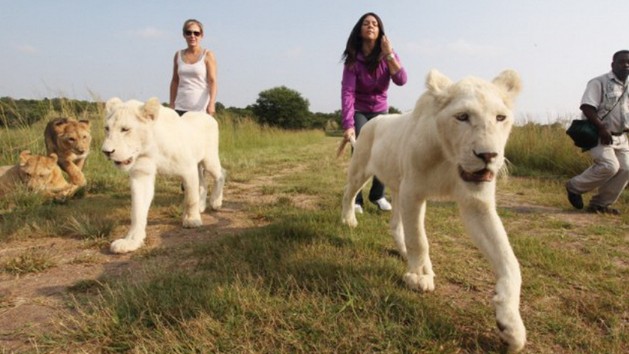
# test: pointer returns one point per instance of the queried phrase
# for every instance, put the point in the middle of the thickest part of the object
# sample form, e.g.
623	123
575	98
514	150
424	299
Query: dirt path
30	302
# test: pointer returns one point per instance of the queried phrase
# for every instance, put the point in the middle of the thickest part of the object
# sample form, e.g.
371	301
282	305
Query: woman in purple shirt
369	65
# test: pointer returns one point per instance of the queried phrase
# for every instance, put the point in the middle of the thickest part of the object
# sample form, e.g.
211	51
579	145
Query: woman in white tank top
193	86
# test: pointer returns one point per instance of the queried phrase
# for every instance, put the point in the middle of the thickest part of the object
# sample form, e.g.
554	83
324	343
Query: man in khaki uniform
605	103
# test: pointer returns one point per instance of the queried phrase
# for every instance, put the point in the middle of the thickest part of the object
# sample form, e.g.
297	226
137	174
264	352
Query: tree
394	110
282	107
219	107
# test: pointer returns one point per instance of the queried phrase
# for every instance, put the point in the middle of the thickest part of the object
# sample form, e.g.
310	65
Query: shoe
597	209
383	204
358	209
575	199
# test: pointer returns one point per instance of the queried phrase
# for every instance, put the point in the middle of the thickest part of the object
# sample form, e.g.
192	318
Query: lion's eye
462	117
501	117
124	130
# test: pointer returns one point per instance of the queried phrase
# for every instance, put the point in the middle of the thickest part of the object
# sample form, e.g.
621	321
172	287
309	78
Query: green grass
544	150
305	283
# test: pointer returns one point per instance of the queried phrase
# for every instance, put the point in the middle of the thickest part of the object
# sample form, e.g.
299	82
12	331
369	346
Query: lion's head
127	132
38	172
473	120
71	136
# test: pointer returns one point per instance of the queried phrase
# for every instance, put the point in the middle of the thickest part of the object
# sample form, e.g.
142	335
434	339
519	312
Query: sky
95	50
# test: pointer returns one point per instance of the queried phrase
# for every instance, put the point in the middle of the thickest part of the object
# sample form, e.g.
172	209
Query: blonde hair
192	22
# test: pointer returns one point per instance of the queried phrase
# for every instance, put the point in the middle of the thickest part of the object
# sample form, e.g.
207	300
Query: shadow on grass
297	277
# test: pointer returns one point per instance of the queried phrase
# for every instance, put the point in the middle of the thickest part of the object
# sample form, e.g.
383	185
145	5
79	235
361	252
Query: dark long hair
355	44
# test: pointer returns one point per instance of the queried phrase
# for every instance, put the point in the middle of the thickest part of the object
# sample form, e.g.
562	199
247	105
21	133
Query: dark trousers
377	188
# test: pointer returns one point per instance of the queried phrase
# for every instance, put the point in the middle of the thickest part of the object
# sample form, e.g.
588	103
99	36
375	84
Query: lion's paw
192	223
78	180
419	282
351	223
124	245
350	220
512	332
216	204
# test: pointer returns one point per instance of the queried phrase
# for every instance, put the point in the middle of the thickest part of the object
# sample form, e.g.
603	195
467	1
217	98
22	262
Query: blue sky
99	49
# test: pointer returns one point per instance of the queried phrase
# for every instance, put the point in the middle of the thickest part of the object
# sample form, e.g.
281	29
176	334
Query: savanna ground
275	271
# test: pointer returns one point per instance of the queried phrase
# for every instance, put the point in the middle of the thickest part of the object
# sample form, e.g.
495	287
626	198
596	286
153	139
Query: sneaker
575	199
602	210
383	204
358	209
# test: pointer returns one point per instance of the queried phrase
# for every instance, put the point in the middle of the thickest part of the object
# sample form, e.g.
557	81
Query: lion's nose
486	156
108	152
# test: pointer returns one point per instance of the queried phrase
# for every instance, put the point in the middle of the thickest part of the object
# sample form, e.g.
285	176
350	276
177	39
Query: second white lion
452	144
144	139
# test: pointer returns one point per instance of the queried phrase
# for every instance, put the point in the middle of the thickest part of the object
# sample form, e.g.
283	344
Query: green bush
282	107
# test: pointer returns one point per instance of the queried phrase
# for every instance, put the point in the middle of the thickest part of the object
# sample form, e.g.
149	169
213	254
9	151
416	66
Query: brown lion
37	173
70	140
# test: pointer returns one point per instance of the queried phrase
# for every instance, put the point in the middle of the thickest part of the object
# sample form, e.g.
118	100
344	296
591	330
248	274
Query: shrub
282	107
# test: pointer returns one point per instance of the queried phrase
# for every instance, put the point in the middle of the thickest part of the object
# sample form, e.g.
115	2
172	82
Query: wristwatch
390	56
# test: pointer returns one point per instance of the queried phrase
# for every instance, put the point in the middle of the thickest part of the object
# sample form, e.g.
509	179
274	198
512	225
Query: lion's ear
85	124
151	108
436	82
111	104
509	81
60	121
54	157
24	155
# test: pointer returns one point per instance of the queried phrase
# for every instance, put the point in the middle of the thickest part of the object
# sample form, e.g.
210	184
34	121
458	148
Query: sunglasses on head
190	33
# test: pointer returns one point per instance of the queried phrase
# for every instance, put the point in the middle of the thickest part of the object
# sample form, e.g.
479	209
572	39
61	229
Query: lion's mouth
124	163
484	175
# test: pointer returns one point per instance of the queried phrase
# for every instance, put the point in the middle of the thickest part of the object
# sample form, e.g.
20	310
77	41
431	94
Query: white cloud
149	33
294	52
27	49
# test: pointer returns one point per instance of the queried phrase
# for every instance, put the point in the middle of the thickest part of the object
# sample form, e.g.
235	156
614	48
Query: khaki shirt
602	92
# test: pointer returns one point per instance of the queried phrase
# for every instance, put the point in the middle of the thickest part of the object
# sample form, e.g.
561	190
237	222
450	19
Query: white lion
144	139
451	144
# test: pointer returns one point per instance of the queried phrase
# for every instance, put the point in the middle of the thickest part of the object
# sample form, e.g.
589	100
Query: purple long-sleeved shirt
365	92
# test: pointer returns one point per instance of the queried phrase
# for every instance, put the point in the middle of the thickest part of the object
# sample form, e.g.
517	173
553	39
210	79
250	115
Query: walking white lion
451	144
144	139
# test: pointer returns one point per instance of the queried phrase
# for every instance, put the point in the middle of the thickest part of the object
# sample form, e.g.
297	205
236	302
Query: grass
33	260
544	150
89	227
303	282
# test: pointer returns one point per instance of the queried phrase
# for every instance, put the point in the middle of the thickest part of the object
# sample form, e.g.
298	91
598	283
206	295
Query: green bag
583	133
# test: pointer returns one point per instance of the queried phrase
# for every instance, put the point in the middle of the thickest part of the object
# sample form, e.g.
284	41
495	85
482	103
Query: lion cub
70	140
39	174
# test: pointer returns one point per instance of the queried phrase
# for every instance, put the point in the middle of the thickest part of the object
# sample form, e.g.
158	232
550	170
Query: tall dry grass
544	150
